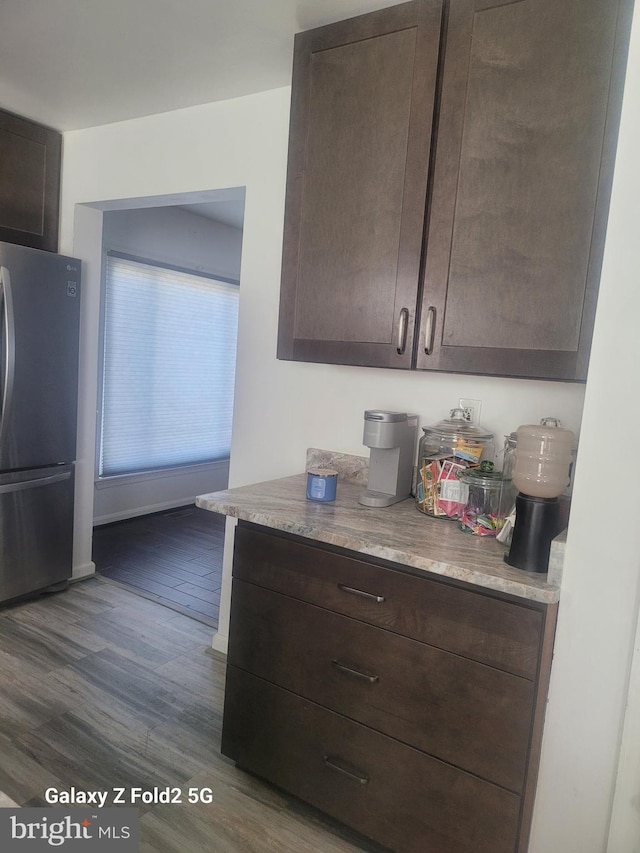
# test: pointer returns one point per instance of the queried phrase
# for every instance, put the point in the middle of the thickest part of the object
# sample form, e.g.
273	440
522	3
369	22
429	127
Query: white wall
282	408
117	498
174	236
599	604
181	238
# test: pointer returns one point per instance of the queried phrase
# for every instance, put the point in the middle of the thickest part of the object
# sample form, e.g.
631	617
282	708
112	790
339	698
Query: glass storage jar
445	450
484	512
509	491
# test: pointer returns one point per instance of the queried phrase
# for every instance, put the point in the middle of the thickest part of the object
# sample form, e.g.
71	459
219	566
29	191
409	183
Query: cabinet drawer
389	792
463	712
490	630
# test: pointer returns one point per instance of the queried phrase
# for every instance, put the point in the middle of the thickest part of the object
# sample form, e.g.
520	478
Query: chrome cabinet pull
371	679
369	595
403	323
429	330
346	769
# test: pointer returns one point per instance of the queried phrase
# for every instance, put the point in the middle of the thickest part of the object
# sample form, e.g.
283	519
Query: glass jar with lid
445	450
509	491
484	512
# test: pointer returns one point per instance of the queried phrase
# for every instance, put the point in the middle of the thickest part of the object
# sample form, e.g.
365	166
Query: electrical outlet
471	410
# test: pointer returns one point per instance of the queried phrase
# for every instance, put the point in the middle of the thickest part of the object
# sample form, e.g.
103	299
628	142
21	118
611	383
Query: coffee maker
392	439
541	474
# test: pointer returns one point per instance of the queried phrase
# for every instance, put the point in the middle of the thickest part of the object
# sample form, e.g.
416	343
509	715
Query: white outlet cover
473	406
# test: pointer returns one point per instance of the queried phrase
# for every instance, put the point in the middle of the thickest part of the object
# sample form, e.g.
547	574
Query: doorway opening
147	533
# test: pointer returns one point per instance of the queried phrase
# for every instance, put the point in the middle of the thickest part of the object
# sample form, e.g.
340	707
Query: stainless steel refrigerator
39	332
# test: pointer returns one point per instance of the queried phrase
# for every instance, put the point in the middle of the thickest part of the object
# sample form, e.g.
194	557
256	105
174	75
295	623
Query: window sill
159	474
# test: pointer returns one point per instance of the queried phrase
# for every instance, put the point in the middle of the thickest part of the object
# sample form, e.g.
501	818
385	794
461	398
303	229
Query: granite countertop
399	533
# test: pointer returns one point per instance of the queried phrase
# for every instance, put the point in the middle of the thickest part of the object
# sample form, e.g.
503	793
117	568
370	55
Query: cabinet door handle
403	323
371	679
377	598
429	330
346	769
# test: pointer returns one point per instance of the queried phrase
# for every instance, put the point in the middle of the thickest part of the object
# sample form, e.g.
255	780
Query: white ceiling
79	63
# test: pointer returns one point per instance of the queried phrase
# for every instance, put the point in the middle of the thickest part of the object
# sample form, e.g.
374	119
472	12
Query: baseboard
84	571
220	643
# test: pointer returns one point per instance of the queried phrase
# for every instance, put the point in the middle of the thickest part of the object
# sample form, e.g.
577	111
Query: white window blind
168	370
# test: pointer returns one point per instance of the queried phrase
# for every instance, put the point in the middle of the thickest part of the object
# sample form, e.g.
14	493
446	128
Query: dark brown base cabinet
29	182
407	707
450	167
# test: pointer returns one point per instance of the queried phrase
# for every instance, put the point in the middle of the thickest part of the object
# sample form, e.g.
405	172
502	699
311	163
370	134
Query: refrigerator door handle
6	305
21	485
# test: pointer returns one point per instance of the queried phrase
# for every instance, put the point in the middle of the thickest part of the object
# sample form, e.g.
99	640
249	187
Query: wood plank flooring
100	688
174	557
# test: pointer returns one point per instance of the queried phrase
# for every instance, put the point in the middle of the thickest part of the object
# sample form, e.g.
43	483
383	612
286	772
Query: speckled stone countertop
398	533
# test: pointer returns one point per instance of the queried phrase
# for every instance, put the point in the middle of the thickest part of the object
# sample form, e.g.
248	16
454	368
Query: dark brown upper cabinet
361	123
450	167
29	182
520	187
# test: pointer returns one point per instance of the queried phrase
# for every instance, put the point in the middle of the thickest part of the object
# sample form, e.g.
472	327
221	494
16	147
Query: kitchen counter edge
399	534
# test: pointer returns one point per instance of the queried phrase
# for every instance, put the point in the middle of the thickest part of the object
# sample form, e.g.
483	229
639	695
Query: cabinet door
521	186
29	183
361	116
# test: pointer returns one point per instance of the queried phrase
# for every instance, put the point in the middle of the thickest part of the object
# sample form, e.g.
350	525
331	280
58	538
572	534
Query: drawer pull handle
372	679
346	769
377	598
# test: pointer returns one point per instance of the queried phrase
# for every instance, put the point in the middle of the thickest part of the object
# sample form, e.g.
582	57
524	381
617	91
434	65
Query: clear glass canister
484	512
509	458
446	450
509	491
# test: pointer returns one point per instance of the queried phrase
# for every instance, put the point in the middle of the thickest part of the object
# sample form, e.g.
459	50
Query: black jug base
538	522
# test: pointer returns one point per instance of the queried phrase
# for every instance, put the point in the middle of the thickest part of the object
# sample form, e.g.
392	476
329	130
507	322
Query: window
168	367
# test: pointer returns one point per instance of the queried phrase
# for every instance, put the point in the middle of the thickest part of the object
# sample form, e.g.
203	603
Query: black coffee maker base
538	522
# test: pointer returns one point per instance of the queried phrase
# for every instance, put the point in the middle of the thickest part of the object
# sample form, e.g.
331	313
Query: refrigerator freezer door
39	330
36	530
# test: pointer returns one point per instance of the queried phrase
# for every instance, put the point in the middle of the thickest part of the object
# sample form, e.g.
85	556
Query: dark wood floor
174	557
100	688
